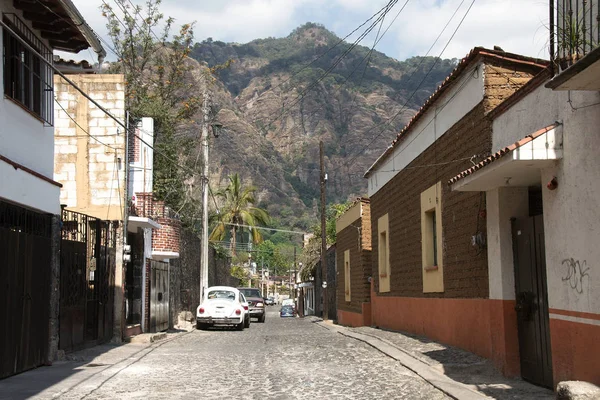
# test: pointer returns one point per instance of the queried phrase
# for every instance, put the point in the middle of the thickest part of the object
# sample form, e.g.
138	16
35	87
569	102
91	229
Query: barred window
28	80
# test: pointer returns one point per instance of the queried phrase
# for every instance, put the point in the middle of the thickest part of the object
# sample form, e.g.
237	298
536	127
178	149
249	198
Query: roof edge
84	28
474	55
523	91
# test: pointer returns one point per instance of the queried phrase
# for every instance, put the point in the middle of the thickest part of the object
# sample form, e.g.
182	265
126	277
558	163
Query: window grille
28	80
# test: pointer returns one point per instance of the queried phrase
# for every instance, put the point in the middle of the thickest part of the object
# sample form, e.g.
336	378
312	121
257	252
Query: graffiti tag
576	273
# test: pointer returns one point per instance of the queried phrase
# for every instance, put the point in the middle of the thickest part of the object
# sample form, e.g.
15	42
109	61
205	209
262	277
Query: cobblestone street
281	359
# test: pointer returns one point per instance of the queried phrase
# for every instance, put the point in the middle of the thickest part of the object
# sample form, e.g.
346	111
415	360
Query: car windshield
287	308
221	294
251	292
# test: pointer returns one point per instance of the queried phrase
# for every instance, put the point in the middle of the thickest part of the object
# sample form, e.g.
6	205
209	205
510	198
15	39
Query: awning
164	255
516	165
133	223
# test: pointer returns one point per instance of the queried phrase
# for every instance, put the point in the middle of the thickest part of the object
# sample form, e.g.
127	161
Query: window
27	78
431	239
347	287
384	254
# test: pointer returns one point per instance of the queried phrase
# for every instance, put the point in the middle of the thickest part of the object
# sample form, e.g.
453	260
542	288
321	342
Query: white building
543	212
29	196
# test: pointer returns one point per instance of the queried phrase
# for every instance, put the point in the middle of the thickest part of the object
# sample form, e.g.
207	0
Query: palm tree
238	210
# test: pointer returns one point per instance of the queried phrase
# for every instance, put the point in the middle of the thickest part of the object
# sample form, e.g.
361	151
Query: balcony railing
574	31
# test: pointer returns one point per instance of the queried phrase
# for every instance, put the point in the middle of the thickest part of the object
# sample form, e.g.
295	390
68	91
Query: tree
160	83
311	253
237	209
239	272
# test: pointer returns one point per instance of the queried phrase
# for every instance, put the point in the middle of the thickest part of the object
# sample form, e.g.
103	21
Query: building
353	247
429	259
29	196
106	172
542	212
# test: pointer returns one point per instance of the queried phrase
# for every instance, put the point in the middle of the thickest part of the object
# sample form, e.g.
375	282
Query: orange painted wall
485	327
575	351
349	318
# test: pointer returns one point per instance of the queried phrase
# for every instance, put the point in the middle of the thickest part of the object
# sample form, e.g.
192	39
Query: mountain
281	96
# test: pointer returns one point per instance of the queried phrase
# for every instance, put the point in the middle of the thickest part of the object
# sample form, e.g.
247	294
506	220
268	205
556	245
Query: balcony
574	50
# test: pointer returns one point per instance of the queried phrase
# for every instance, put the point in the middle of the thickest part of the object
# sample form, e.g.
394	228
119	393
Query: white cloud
515	25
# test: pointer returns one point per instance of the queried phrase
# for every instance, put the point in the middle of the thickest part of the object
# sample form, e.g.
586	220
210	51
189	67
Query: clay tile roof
501	153
474	54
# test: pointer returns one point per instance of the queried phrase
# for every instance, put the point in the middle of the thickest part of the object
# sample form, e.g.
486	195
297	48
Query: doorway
532	300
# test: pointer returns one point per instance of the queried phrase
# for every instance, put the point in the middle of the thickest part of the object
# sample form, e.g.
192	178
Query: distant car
287	311
256	303
270	301
222	306
289	302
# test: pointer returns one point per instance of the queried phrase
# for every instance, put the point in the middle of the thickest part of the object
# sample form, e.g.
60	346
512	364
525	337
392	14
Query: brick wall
356	238
465	268
133	147
167	238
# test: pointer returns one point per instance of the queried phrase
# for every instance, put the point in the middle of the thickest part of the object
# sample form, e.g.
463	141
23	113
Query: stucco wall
572	211
26	140
467	92
92	170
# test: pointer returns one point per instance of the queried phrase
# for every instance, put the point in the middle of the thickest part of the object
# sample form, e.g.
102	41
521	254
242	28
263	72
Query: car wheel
240	326
247	323
262	318
200	325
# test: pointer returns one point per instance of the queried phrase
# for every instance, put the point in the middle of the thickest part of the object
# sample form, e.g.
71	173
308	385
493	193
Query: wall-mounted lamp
553	184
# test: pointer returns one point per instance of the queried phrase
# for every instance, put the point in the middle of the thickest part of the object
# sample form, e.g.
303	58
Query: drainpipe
85	30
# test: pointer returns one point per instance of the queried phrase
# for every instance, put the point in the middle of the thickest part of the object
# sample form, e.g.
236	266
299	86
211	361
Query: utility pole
295	277
204	239
322	273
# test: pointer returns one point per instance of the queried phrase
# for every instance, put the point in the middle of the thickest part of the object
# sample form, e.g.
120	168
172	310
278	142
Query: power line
82	128
317	58
331	68
372	139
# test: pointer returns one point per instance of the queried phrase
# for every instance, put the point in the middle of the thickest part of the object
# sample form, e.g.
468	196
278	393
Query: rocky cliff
281	96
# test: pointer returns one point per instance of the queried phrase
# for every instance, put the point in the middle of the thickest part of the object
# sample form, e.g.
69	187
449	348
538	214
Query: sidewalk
458	373
86	369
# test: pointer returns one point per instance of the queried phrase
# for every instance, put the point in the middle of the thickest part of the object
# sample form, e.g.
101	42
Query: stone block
577	390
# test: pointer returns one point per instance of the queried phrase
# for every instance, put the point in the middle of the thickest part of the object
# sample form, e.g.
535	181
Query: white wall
572	211
502	204
140	172
465	94
24	139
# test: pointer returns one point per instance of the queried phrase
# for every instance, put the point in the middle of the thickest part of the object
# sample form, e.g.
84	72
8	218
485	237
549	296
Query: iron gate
25	254
86	280
159	296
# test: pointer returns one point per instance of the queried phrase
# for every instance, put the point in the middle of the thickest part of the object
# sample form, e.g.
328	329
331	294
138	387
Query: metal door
159	296
73	260
532	300
25	253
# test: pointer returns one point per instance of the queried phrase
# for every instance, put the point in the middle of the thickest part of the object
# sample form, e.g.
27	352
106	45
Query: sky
517	26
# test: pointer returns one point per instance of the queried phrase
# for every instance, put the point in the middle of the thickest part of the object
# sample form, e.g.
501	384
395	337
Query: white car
223	306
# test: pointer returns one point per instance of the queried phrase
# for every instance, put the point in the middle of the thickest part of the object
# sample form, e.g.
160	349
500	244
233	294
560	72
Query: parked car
270	301
256	303
222	306
246	310
287	311
289	302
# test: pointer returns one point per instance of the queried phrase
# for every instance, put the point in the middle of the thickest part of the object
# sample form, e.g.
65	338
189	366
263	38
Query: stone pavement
463	367
284	358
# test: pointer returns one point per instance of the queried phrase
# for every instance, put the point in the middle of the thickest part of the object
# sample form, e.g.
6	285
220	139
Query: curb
437	379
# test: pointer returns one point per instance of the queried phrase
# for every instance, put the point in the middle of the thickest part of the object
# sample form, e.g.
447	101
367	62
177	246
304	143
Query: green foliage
242	274
237	209
312	251
159	84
